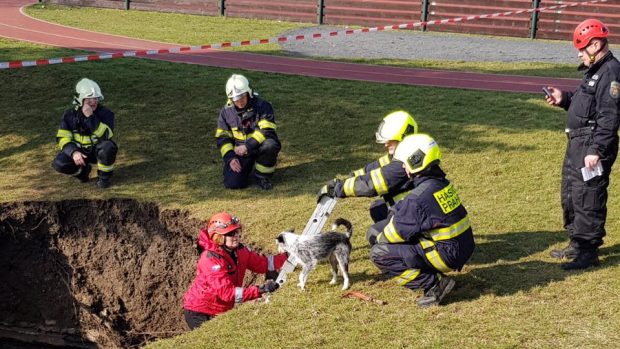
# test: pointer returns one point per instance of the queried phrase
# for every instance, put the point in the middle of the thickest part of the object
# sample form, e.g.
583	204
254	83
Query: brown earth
102	273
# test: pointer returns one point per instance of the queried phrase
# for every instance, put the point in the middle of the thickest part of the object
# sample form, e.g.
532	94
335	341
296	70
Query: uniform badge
594	77
614	89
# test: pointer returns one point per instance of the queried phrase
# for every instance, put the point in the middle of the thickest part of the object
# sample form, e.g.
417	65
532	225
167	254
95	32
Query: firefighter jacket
432	215
218	283
77	132
250	126
385	177
594	110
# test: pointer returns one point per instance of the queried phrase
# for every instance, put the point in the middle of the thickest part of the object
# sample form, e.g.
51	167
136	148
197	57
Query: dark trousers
103	153
265	158
378	210
195	319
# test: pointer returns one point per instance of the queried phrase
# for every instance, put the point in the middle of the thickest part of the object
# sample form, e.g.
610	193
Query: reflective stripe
225	148
349	185
450	232
105	168
264	169
260	138
359	172
407	276
100	131
391	234
384	160
263	124
64	133
238	134
63	141
434	257
378	181
238	294
400	196
221	132
270	265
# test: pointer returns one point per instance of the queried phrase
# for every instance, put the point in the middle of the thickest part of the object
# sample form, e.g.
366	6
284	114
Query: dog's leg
343	262
305	270
334	263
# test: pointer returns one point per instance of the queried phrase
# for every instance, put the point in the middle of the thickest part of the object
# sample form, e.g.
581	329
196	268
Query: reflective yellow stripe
349	184
105	168
264	169
83	140
391	234
64	133
384	160
263	124
225	148
400	196
378	181
238	134
434	257
260	138
452	231
359	172
221	132
100	130
63	141
407	276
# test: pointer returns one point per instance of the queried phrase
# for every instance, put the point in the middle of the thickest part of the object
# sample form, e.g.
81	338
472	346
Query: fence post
320	11
534	21
127	4
222	6
424	14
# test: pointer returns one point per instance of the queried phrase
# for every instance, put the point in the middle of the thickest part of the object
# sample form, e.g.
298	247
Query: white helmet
395	126
417	152
236	86
87	88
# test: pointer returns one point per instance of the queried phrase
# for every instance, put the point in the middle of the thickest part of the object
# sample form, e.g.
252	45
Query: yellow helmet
417	152
86	88
395	126
236	86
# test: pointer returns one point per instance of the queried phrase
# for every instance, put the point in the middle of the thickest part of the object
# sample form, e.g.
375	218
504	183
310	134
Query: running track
15	25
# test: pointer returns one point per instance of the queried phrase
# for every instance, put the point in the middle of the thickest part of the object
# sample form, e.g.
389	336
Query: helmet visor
379	135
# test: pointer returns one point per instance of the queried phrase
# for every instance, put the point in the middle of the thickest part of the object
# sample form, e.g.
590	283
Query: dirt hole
93	273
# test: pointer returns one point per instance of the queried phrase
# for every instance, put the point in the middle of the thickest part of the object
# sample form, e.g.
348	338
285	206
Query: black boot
263	182
435	294
568	252
585	259
84	174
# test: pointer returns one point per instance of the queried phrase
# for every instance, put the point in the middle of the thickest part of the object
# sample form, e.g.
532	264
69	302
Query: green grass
501	150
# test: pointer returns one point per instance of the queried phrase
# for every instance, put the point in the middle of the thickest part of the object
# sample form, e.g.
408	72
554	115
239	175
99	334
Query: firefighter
428	233
246	136
85	136
592	130
384	177
218	284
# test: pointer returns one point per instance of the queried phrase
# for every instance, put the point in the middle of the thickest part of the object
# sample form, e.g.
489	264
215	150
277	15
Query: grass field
501	150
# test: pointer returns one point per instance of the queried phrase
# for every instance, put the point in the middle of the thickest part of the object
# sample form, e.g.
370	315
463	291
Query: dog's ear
280	238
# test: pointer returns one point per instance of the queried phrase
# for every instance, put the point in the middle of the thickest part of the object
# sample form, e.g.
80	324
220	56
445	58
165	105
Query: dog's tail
341	221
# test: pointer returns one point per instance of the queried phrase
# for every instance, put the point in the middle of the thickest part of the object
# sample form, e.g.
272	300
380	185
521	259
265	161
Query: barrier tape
98	57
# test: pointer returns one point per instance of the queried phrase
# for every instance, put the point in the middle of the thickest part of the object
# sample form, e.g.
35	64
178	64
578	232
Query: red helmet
221	224
588	30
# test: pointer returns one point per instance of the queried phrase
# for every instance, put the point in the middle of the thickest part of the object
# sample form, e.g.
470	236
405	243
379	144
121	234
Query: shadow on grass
513	246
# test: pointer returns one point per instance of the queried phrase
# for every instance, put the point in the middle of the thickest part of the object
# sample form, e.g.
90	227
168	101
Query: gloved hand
268	287
271	275
328	190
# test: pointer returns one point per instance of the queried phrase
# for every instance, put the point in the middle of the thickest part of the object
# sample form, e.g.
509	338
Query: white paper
589	174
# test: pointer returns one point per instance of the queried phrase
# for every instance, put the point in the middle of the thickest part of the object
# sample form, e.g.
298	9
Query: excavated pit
93	274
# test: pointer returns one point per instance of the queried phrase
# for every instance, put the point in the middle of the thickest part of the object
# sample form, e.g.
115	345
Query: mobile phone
547	92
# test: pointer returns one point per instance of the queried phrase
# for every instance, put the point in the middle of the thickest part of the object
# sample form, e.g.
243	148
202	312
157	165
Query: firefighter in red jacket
218	284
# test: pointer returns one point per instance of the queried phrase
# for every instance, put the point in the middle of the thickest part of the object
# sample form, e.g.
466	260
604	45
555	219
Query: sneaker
585	259
569	253
436	293
103	183
264	183
84	174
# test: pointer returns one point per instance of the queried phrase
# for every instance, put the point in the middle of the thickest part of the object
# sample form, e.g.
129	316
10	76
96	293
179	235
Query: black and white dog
309	250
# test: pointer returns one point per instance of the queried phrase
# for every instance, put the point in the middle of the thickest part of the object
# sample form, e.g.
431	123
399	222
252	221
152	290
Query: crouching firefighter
384	177
246	136
427	234
218	284
85	136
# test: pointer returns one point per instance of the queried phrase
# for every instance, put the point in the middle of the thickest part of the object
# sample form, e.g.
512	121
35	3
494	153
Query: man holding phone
593	116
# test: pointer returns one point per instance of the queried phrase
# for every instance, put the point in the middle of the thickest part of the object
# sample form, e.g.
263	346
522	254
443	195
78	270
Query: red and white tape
102	56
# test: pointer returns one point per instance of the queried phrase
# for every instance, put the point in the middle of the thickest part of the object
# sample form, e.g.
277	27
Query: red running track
15	25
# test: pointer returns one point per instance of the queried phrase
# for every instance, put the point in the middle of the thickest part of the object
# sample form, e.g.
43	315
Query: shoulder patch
614	89
447	198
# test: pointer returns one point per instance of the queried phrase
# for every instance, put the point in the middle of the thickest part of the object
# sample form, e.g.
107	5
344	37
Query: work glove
271	275
328	189
268	287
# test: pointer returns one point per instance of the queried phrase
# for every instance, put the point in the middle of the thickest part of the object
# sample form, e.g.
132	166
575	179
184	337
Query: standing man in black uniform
592	130
85	136
246	136
384	177
426	234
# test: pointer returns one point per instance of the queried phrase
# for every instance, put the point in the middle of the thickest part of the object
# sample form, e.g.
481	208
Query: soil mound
100	273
